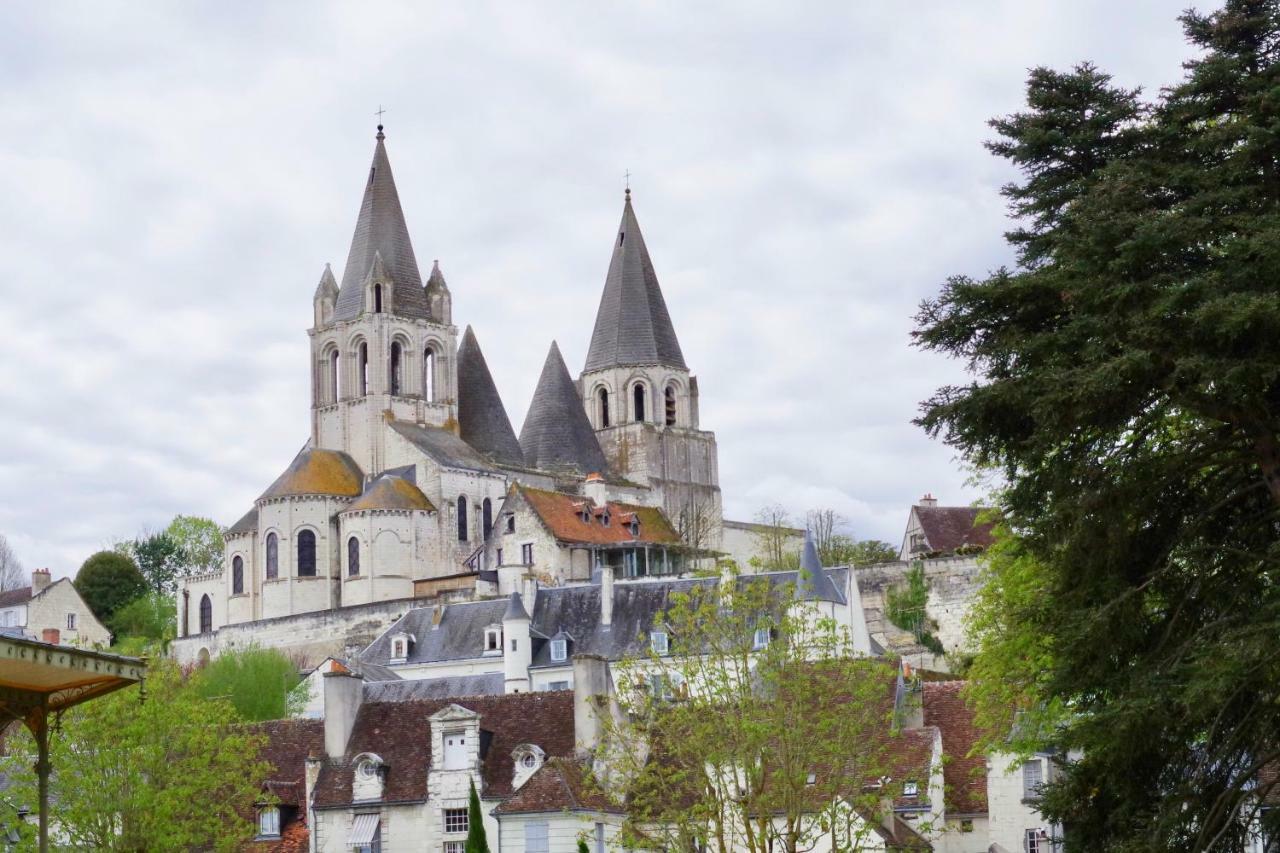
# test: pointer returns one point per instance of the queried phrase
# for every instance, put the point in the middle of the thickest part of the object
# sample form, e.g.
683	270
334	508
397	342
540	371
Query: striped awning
363	829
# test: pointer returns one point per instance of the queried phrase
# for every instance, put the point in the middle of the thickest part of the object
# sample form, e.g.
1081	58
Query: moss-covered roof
319	472
389	492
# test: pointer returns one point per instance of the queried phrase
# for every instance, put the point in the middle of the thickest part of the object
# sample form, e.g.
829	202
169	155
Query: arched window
603	396
377	299
671	405
237	575
206	614
486	517
353	556
462	518
396	363
363	367
429	374
273	556
637	394
334	387
306	554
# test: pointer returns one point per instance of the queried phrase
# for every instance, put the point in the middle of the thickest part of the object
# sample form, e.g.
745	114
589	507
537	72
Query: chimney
311	775
594	488
928	500
606	597
40	579
592	700
342	695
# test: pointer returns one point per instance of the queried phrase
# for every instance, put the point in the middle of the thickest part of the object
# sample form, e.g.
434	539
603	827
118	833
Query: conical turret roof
482	419
632	324
556	434
381	230
812	582
328	286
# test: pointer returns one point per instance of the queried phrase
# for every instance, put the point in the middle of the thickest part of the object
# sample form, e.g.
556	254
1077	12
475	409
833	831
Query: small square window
455	820
910	789
658	642
455	847
966	825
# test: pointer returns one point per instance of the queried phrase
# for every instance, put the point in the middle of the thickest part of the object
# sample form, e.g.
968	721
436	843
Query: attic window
658	642
399	648
455	754
559	650
511	523
604	518
634	526
910	789
492	640
269	822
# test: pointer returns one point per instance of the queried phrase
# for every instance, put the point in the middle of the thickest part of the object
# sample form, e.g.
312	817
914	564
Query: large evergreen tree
476	842
1127	387
107	581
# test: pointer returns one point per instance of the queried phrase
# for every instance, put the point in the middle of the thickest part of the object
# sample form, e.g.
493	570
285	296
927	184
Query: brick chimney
40	579
928	500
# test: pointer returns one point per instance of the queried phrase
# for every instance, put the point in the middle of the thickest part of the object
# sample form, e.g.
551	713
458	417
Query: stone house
53	612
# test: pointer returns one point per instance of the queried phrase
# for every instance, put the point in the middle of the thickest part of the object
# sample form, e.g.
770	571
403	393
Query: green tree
171	772
107	581
476	841
261	684
906	606
199	542
159	558
1127	390
867	552
149	620
734	742
582	846
776	545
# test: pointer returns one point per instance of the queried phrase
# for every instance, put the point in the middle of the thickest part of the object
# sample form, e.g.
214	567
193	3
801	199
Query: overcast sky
175	176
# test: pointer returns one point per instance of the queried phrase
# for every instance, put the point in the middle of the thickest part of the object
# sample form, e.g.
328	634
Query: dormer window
455	750
269	822
910	789
658	642
559	649
400	647
633	526
604	518
493	640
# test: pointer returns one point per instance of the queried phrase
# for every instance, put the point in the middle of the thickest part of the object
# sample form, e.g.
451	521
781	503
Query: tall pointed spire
482	419
812	582
632	324
381	229
556	434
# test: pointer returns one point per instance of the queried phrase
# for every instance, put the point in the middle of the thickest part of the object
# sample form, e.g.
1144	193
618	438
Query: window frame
655	643
272	555
1033	778
272	811
559	650
760	639
537	836
237	575
308	564
353	556
526	554
71	621
450	817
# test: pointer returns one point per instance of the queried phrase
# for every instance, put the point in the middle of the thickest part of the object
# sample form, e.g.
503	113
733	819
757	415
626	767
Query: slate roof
400	733
562	514
556	434
13	597
812	583
381	231
248	523
965	776
632	323
389	492
637	606
558	785
318	472
948	529
402	690
328	285
482	419
442	446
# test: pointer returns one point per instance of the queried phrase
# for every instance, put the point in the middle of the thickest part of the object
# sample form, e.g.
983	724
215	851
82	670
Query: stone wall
953	582
311	636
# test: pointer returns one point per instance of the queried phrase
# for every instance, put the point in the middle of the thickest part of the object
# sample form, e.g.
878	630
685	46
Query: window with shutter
535	837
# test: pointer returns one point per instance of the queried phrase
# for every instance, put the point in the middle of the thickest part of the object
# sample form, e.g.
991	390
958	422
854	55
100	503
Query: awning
363	829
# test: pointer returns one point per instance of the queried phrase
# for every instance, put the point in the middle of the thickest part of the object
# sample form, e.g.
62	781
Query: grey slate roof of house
482	419
556	434
575	610
442	446
486	684
381	231
632	323
812	583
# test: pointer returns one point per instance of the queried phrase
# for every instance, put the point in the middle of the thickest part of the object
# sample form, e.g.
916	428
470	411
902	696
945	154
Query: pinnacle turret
556	434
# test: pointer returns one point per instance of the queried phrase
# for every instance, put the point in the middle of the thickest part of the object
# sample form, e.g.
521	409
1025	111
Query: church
414	484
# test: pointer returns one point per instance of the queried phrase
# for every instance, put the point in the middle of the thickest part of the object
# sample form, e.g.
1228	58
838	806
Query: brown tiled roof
294	838
400	733
289	742
948	529
319	472
965	776
562	514
561	784
391	493
10	597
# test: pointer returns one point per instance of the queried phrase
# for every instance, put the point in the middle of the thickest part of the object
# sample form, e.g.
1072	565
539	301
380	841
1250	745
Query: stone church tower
383	343
641	398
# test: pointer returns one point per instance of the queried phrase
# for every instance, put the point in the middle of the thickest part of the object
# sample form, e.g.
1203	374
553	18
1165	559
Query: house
936	531
52	612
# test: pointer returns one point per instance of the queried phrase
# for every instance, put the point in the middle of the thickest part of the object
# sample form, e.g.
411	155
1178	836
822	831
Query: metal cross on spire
379	113
627	176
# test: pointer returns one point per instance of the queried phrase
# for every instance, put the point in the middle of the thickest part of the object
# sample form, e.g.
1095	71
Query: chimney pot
40	580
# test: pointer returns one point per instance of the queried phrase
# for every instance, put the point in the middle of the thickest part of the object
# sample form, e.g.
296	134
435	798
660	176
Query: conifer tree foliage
1127	388
476	840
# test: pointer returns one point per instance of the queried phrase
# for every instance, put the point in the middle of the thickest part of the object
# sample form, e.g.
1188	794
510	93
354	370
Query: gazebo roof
43	678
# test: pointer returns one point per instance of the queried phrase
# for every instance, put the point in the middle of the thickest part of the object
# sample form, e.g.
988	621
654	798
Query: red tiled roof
965	776
562	514
400	733
10	597
559	785
948	529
